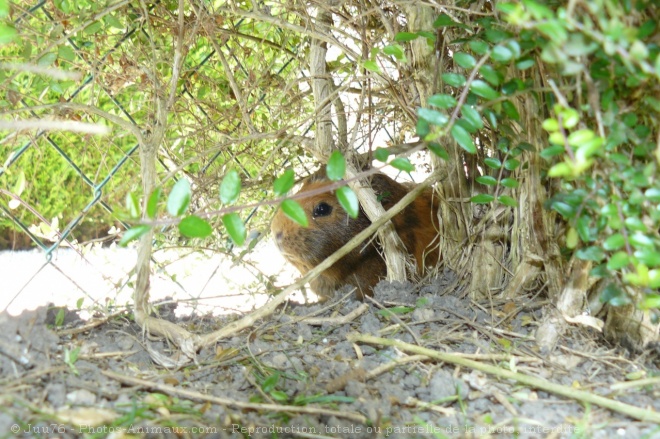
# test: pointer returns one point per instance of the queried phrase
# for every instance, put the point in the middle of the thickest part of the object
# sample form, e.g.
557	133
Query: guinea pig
330	228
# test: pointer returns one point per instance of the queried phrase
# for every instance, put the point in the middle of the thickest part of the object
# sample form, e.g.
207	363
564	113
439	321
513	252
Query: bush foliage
564	96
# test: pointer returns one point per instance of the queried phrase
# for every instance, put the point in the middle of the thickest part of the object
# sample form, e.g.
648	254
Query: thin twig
538	383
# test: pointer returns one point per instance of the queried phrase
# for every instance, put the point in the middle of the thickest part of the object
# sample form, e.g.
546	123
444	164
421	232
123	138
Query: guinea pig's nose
278	236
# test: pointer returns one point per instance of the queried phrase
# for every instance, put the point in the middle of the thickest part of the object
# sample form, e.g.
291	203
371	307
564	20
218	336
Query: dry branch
538	383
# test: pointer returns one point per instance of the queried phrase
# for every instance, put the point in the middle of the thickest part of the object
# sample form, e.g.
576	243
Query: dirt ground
298	374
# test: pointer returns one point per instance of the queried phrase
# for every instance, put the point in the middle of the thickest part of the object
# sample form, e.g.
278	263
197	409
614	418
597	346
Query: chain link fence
60	188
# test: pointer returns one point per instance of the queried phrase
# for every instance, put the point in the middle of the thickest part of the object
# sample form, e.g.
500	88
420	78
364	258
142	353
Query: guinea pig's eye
322	209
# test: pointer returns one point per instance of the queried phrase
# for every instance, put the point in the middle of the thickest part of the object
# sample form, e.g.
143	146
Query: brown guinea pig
330	228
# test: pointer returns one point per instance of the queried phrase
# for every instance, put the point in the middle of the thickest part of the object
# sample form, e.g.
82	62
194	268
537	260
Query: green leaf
371	66
63	5
19	186
511	164
66	53
236	228
648	256
433	117
493	163
570	118
525	63
295	212
503	143
443	20
132	205
454	79
508	8
482	198
614	242
580	137
507	201
463	138
230	188
402	164
465	60
496	35
490	74
482	89
133	233
4	8
336	167
427	34
510	110
438	150
552	151
381	154
650	301
179	198
466	125
592	253
284	183
403	37
583	228
491	116
579	46
564	209
47	60
560	170
613	295
635	224
639	277
618	260
589	149
349	201
646	29
556	138
514	47
554	29
203	91
442	101
152	203
7	33
472	116
194	227
538	10
501	54
279	396
571	238
112	21
422	128
487	180
640	240
270	382
396	51
511	183
93	28
512	86
478	47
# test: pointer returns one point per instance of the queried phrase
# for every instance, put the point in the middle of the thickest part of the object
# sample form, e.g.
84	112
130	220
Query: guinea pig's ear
319	175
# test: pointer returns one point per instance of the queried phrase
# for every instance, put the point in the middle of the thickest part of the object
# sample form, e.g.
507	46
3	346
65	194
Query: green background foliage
243	113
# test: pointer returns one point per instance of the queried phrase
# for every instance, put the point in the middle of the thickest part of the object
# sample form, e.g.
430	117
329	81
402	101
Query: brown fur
364	266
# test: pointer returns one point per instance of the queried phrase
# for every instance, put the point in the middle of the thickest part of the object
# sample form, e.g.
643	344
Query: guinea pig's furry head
329	228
